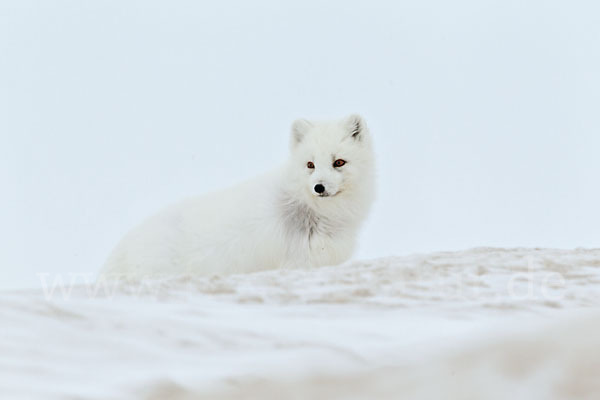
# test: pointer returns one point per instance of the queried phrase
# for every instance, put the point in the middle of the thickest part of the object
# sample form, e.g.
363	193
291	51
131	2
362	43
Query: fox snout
321	190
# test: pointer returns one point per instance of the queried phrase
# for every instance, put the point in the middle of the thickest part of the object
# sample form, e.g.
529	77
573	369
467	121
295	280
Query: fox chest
313	240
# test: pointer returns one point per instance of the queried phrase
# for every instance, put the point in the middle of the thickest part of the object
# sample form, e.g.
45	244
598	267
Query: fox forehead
322	142
326	141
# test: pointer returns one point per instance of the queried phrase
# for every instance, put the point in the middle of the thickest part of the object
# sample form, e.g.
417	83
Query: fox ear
299	129
356	126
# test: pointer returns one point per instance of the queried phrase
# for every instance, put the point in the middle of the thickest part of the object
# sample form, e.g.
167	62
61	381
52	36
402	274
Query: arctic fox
302	215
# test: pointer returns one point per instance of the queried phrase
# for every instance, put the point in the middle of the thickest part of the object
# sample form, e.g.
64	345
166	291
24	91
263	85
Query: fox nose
319	188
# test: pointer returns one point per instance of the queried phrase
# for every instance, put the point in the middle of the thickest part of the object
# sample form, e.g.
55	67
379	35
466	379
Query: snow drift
484	323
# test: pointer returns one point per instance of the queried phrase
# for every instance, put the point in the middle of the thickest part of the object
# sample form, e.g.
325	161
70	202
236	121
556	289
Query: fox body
304	214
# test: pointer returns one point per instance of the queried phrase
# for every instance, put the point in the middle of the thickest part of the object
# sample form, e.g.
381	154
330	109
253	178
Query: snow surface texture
484	323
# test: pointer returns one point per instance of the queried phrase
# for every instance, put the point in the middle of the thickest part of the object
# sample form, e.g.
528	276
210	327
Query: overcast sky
485	116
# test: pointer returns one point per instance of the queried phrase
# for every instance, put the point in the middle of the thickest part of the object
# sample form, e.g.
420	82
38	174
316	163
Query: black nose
319	188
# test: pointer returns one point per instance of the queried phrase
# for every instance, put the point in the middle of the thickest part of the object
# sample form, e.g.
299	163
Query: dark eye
310	165
339	163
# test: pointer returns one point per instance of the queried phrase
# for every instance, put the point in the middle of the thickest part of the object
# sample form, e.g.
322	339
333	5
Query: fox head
332	159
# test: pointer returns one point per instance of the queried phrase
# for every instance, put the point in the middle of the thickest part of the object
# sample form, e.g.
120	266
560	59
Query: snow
483	323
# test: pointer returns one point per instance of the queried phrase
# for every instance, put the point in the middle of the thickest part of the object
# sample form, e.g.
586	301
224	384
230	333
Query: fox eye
339	163
310	165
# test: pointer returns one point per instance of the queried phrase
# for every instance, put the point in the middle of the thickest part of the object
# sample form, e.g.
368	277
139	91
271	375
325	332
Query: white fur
273	221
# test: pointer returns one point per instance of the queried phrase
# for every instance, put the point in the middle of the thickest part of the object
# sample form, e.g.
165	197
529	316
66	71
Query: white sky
486	116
